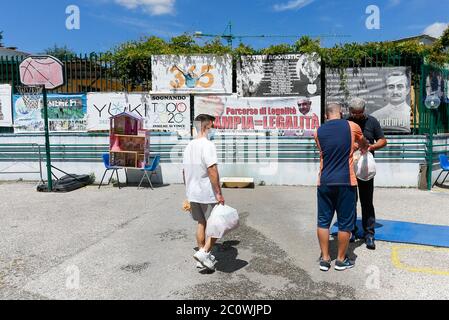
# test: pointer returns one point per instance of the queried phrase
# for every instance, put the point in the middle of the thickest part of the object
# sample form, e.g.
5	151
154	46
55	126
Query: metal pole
230	34
47	141
430	151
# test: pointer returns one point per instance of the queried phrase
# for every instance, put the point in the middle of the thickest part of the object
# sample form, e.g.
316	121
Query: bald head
333	110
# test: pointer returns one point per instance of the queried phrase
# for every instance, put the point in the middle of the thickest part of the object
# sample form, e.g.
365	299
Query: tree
1	38
278	49
130	60
438	53
62	53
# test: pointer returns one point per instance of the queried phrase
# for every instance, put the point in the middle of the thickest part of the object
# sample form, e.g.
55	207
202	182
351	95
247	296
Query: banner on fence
437	82
386	91
160	112
191	74
294	116
66	113
279	75
5	105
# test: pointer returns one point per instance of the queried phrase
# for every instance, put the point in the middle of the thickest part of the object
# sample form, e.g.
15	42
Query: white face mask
211	134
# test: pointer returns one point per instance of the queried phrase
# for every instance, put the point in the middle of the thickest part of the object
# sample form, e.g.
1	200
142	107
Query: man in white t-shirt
202	183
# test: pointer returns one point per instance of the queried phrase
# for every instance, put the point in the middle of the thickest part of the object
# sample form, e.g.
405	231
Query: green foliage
130	60
215	47
244	50
62	53
282	48
183	44
445	38
439	54
307	45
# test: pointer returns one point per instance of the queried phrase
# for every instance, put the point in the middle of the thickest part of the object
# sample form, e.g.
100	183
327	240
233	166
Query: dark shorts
201	211
337	198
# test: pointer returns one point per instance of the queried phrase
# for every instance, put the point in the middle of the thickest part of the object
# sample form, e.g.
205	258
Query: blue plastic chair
151	169
109	167
444	164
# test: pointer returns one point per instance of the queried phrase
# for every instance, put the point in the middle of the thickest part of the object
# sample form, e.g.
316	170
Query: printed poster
291	116
5	106
191	74
385	90
159	112
279	75
66	113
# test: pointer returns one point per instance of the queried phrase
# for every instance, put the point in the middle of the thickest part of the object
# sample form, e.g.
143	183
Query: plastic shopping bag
364	166
222	220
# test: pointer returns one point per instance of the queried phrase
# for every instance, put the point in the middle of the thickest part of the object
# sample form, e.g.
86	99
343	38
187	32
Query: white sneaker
205	259
199	265
212	257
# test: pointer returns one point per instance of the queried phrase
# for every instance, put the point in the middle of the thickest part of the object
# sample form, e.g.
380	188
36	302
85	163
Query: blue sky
35	25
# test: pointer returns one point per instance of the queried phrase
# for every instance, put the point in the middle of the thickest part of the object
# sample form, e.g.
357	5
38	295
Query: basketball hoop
31	95
39	74
42	70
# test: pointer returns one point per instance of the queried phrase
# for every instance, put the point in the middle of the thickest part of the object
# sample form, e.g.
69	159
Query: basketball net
31	95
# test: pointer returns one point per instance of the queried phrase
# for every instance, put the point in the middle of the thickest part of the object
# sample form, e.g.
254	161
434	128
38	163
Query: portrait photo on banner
386	90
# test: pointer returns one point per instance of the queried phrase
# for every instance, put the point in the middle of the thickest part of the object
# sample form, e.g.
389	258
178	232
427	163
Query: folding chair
151	169
108	167
444	164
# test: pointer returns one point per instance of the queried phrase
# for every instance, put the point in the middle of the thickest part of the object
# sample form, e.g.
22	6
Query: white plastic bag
364	166
222	220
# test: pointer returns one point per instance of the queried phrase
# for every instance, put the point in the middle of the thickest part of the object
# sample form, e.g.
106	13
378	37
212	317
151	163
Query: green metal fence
229	150
83	73
95	73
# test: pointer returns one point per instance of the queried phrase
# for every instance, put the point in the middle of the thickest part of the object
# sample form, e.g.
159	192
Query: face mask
211	134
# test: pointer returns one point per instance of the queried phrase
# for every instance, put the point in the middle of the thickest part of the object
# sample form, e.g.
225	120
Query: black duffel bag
67	183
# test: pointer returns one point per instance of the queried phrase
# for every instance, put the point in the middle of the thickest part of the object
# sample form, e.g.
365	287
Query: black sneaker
370	244
343	265
325	265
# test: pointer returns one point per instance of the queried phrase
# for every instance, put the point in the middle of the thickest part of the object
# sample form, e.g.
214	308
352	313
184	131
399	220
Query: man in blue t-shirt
337	184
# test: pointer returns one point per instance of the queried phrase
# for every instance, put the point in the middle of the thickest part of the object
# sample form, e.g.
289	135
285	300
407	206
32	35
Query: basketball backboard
42	71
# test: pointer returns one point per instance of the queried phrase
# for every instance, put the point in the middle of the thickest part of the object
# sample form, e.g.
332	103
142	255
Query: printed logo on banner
169	112
191	74
190	79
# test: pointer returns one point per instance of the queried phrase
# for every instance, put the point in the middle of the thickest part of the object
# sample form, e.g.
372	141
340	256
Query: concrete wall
394	172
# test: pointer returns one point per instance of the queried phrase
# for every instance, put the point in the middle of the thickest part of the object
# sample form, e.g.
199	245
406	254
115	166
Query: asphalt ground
138	244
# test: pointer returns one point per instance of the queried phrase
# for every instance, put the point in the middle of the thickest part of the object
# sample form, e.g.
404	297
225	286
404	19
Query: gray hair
357	104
